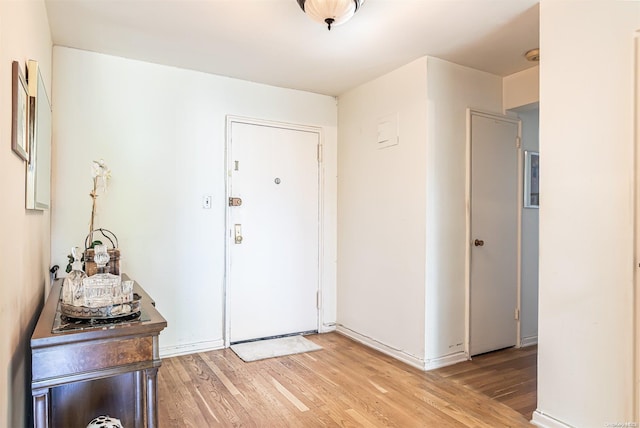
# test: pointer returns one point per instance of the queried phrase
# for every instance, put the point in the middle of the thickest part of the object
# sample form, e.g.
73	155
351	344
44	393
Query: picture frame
531	179
19	113
38	178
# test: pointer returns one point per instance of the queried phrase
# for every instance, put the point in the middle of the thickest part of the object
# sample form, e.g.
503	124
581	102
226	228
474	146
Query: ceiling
273	42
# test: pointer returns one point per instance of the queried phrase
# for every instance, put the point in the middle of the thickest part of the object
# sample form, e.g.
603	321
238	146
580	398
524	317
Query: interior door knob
478	243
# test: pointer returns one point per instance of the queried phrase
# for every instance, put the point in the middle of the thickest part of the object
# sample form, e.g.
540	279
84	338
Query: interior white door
494	234
274	233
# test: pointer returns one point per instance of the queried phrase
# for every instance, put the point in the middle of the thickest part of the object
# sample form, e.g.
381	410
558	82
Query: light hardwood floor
345	385
508	376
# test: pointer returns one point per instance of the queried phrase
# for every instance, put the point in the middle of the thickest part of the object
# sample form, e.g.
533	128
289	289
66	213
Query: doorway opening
528	299
493	231
272	284
525	311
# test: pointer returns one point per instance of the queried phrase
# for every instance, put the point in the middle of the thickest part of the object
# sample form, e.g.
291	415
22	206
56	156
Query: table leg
139	399
152	395
41	409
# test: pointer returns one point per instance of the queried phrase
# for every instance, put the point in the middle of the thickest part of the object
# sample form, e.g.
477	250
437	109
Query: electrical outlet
206	202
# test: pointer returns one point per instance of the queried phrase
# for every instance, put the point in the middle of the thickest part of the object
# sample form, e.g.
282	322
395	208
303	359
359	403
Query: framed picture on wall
531	179
19	113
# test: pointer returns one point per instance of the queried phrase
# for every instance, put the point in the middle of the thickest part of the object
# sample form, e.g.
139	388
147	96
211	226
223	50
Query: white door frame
519	198
228	227
636	205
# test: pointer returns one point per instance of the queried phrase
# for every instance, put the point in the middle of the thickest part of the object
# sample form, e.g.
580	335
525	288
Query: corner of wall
452	90
522	88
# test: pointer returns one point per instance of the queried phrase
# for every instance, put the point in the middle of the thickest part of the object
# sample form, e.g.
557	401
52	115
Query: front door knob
238	233
478	243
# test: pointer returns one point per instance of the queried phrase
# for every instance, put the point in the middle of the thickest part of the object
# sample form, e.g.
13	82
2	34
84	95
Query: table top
44	335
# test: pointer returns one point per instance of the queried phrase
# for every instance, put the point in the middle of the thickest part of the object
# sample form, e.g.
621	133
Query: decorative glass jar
72	286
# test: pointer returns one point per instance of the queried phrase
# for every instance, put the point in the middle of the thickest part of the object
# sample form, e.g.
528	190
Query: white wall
401	213
24	235
161	130
522	88
381	214
585	360
451	90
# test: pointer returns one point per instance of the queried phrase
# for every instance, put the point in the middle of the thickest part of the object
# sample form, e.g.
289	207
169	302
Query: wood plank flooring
508	376
344	385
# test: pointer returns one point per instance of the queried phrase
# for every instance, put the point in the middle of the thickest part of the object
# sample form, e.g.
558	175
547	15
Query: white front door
494	233
274	233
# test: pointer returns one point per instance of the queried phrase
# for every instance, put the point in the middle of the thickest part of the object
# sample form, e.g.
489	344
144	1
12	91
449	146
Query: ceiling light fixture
533	55
330	12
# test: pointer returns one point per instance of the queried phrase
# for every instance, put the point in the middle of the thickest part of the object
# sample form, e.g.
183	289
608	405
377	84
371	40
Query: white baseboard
191	348
529	341
327	328
412	360
545	421
447	360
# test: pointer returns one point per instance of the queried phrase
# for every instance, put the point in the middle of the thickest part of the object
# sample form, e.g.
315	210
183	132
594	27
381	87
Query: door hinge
518	142
516	314
317	300
319	153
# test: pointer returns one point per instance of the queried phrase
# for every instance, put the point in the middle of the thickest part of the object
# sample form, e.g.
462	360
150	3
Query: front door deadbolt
235	202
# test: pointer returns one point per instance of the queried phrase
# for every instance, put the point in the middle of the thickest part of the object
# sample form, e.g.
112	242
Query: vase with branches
101	175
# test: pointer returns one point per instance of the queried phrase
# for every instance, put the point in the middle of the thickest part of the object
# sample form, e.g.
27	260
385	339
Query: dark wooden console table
83	371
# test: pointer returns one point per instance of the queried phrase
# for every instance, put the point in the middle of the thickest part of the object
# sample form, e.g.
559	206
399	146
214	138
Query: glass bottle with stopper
102	289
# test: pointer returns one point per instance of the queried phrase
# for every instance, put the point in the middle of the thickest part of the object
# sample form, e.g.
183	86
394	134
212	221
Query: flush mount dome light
330	12
533	55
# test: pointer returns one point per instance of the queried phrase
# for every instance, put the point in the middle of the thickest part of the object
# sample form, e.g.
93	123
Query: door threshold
300	333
